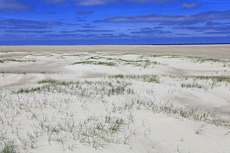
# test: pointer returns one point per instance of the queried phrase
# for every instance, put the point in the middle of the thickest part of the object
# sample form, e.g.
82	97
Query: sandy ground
115	99
207	51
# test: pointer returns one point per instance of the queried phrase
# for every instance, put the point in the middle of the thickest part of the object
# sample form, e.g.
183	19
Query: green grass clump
84	62
121	76
29	90
145	78
146	63
8	148
6	51
208	60
202	60
96	63
190	85
106	63
14	60
83	89
215	78
57	82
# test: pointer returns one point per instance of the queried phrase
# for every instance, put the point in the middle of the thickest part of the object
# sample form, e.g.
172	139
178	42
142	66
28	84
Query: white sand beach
118	99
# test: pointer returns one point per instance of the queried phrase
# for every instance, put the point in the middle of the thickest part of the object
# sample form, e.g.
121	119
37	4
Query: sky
113	22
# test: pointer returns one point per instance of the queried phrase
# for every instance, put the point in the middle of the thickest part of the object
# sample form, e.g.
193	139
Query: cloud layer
104	2
112	19
172	19
22	5
18	23
150	31
190	6
14	6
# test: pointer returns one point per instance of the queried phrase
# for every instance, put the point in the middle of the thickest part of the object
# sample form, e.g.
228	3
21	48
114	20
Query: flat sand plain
207	51
157	99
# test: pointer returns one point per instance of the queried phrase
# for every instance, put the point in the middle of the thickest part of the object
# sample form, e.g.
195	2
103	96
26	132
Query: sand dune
155	99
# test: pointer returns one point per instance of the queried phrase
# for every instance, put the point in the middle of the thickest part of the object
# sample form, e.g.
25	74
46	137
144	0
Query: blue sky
92	22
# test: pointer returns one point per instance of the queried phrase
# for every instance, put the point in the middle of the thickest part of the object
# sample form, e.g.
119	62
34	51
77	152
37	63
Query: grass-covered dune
113	102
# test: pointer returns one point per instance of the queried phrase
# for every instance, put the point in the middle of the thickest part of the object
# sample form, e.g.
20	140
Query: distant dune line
220	51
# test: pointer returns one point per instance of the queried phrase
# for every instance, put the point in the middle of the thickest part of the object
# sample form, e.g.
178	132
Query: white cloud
104	2
93	2
14	6
190	6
